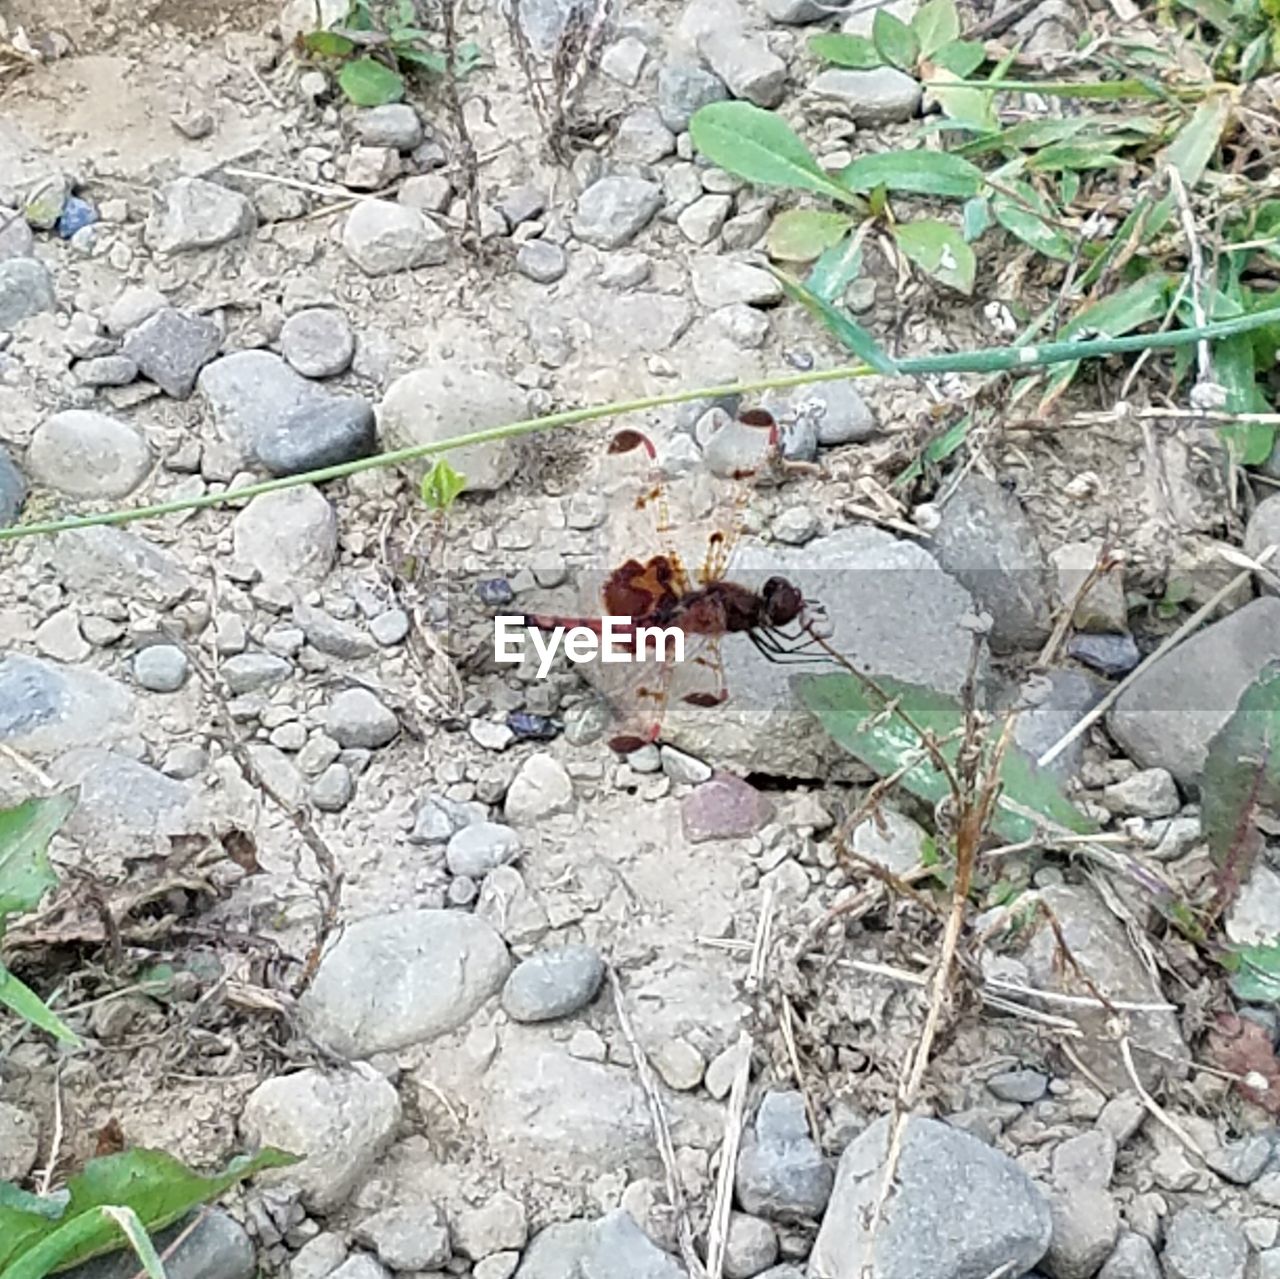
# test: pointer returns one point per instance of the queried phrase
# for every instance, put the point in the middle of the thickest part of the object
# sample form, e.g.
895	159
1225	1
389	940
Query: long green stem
987	360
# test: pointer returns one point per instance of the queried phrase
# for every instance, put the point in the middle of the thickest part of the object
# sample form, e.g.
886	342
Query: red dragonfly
655	591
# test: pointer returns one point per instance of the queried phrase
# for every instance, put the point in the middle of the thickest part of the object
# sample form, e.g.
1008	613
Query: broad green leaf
800	235
1234	370
25	832
975	218
850	335
328	44
1253	60
129	1224
1197	140
1029	220
895	40
441	485
847	51
1027	136
920	172
1068	187
1097	153
428	59
369	83
961	57
757	145
19	998
936	24
855	717
836	269
939	250
1242	775
152	1184
1219	12
969	107
1255	973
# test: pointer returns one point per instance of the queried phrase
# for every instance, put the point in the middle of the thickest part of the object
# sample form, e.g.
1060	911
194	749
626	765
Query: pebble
134	305
721	282
1024	1086
702	220
498	1225
361	1266
448	398
332	790
1262	531
19	1142
1169	714
404	978
88	454
318	342
26	289
624	60
1086	1224
1150	792
356	717
1110	655
553	983
59	637
476	849
16	239
614	210
881	95
541	261
683	89
113	562
430	192
1202	1245
796	526
619	1249
13	489
289	537
390	628
1132	1258
530	727
410	1236
781	1173
524	204
382	238
539	790
726	807
796	12
681	188
340	1121
161	668
626	271
679	1064
395	125
838	411
171	347
106	370
250	672
191	213
370	168
746	65
949	1186
751	1245
642	138
499	1265
1103	607
683	769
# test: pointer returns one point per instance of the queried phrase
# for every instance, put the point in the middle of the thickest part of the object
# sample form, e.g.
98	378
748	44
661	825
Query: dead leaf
1244	1048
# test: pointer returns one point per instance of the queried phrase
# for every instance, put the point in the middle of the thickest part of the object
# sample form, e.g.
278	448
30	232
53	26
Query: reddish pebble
726	807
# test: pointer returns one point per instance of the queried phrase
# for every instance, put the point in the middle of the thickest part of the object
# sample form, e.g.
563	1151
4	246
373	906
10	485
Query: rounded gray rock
289	537
615	210
324	433
541	261
318	342
171	347
13	489
553	983
357	718
88	454
191	214
476	849
395	125
1203	1245
750	1247
26	288
683	89
161	668
382	238
332	790
1262	531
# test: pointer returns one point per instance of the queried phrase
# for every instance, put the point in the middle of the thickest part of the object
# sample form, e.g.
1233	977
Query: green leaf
441	485
1193	146
850	335
369	83
129	1224
757	145
1241	775
919	172
968	107
154	1185
427	59
936	451
936	24
328	44
895	40
800	235
22	1000
846	51
25	832
1255	973
836	269
961	57
1028	135
855	717
975	218
1253	60
1031	224
1097	153
939	250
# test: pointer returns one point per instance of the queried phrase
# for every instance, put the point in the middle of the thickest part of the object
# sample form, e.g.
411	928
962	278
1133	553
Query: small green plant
377	47
25	876
1248	34
441	486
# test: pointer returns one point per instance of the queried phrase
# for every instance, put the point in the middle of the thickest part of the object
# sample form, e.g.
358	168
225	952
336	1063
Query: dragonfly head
783	603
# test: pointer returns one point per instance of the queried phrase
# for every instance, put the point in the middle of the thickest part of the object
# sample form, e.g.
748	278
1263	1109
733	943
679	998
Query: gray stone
326	433
449	398
1049	705
556	1252
106	370
16	239
524	204
1097	941
390	628
1254	916
1025	1086
498	1225
382	238
751	1246
624	60
614	210
540	789
191	213
986	543
13	489
476	849
1151	792
209	1244
553	983
838	411
681	188
59	636
541	261
544	22
1169	714
781	1173
339	1122
361	1266
721	281
134	305
356	717
171	347
318	342
161	668
1086	1222
19	1134
796	12
88	454
107	562
881	95
618	1249
26	289
1088	1159
430	192
1202	1245
1132	1258
746	64
395	125
47	707
1103	608
642	138
402	979
290	537
409	1236
332	636
1263	530
249	672
702	220
890	840
1243	1162
960	1210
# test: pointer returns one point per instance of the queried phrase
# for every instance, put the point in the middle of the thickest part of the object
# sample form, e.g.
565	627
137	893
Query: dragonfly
649	586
